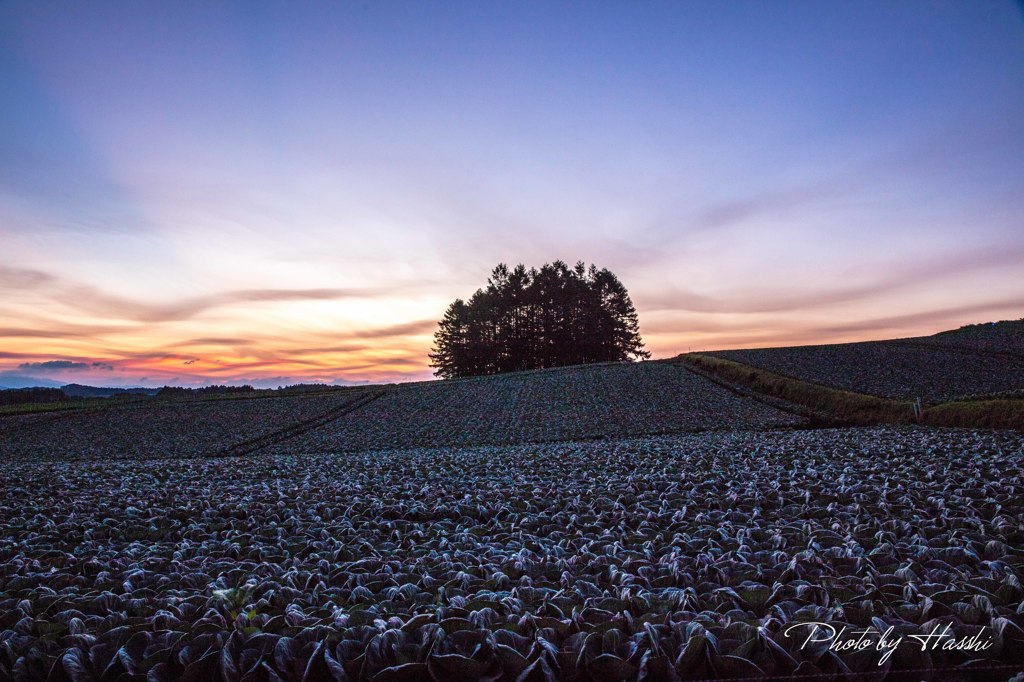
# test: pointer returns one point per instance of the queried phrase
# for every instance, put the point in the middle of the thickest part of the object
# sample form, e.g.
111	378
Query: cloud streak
23	278
98	303
95	302
778	203
887	283
64	366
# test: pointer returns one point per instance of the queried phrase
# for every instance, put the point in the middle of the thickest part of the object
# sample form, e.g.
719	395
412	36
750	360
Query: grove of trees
530	319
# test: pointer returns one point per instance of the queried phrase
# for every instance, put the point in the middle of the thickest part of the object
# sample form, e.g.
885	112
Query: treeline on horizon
76	392
31	396
523	319
216	389
41	395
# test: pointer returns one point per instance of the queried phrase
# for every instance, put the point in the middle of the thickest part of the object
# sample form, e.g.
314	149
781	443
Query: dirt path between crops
251	446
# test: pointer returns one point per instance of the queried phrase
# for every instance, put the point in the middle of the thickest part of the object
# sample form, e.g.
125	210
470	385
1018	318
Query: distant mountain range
17	381
80	391
71	390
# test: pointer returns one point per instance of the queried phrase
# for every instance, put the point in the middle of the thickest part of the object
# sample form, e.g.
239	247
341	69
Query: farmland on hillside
993	337
159	429
644	558
893	369
576	402
570	403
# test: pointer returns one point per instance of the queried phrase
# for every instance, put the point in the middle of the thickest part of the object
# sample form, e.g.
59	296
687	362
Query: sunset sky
262	192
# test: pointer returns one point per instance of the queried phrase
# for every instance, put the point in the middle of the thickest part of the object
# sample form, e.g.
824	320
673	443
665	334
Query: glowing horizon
244	193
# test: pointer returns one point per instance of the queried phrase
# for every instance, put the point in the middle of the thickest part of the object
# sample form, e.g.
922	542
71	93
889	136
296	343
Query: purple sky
276	192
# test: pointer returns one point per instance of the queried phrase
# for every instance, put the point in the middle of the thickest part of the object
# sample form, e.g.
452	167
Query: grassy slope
847	407
996	414
842	406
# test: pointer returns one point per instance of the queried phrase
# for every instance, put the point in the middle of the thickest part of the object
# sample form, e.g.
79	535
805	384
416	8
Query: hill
581	402
572	403
81	391
862	383
971	362
999	337
9	380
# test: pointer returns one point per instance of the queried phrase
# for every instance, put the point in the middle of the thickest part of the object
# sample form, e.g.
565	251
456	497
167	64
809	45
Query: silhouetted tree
530	319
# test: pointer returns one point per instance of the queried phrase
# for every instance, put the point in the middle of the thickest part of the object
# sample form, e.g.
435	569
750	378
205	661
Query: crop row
573	403
892	369
158	428
657	558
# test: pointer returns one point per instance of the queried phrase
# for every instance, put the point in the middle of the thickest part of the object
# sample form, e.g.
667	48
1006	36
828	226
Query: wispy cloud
101	304
62	330
930	318
414	328
779	203
95	302
733	334
881	281
64	366
23	278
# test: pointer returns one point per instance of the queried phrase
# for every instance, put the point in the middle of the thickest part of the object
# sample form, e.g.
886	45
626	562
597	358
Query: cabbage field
174	428
673	557
995	337
576	402
595	401
933	371
613	522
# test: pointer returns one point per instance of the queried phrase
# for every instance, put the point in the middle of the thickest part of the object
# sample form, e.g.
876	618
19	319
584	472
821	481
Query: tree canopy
531	319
